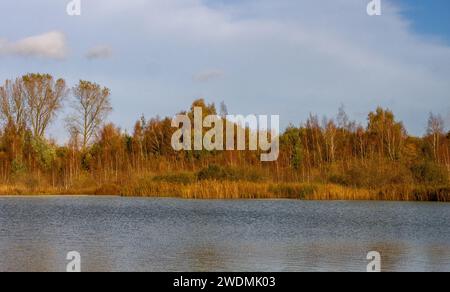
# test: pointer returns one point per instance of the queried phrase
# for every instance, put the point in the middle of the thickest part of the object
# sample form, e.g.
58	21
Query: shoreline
209	199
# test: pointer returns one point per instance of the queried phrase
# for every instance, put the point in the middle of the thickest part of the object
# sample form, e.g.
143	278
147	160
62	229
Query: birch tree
92	106
435	131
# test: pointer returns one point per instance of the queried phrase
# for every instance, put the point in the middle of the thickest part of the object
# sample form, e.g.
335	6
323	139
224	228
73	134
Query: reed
213	189
188	186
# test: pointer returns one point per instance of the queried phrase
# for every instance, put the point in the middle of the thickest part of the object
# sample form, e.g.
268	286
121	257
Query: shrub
32	183
108	190
429	193
18	169
215	172
83	181
45	153
292	191
430	173
373	174
179	178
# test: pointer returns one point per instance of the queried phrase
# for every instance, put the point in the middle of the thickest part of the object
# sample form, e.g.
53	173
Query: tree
314	131
112	149
44	97
343	120
13	106
330	138
137	150
291	145
388	134
44	153
223	110
13	115
435	132
92	106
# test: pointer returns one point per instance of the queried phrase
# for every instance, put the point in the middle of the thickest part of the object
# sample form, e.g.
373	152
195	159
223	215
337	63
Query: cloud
51	45
311	55
208	75
285	56
99	52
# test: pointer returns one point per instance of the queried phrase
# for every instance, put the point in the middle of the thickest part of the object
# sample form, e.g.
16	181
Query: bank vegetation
320	159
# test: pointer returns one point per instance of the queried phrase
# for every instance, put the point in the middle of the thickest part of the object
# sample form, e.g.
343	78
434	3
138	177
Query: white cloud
208	75
99	52
51	45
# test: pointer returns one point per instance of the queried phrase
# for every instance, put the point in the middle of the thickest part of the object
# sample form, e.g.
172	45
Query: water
122	234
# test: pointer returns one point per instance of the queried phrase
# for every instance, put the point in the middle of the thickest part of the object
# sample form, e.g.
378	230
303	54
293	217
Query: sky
286	57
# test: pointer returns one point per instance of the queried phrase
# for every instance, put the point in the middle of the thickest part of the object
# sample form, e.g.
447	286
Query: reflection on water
122	234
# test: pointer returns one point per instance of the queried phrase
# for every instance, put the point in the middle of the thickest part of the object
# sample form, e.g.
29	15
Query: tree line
328	150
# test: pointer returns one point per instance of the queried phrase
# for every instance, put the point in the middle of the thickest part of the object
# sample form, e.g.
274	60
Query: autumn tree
157	137
14	118
137	150
435	132
111	149
43	99
315	139
330	139
13	104
290	143
388	134
92	105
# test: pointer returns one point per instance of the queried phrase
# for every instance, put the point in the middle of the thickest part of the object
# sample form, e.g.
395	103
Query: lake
127	234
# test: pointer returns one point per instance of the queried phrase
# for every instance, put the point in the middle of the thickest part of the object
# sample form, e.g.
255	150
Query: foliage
219	173
430	173
44	153
373	174
18	168
179	178
292	191
375	160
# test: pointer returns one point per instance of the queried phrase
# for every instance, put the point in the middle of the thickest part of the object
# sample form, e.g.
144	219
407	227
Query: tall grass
207	189
230	186
212	189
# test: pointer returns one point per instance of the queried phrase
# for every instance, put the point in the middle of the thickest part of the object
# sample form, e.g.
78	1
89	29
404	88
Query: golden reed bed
243	190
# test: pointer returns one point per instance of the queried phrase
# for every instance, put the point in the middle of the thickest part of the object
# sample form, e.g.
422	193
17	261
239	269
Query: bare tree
223	110
12	104
43	98
92	106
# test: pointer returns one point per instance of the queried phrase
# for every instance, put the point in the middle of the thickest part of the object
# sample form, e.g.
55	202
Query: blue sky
431	18
287	57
